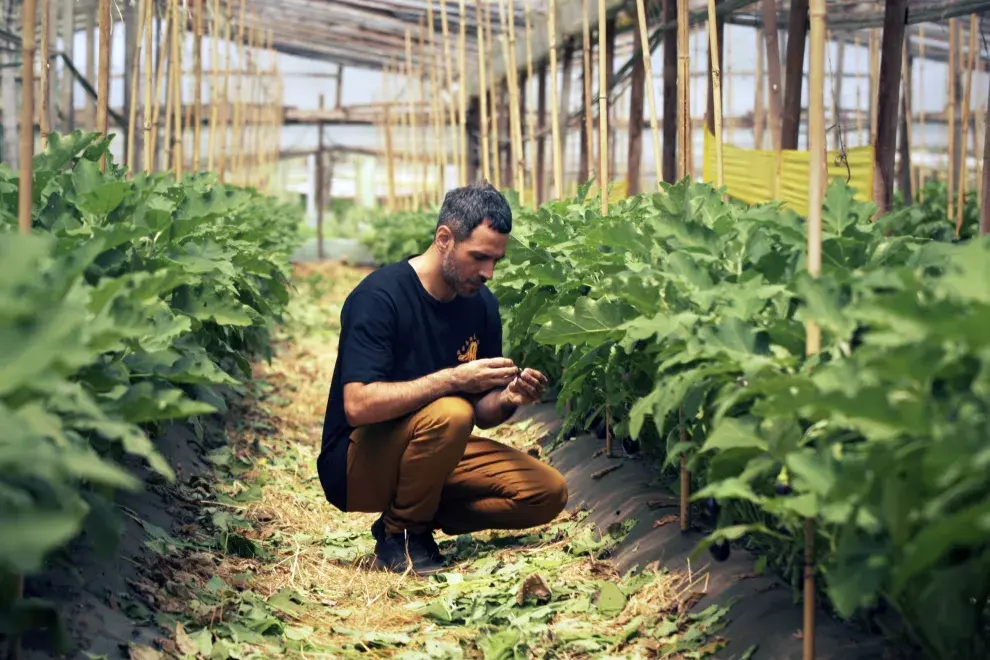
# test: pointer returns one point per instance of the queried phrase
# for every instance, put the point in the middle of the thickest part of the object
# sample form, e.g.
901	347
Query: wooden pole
564	108
29	17
68	85
320	186
587	127
771	36
424	119
149	152
91	111
103	82
839	76
226	118
214	85
515	125
950	110
448	67
816	139
759	96
921	111
985	197
493	102
716	78
558	170
895	16
859	105
486	171
436	107
603	54
44	111
671	95
198	85
389	164
530	118
637	91
874	82
413	148
904	126
462	91
541	140
683	91
964	125
172	13
237	137
176	69
609	63
797	33
134	82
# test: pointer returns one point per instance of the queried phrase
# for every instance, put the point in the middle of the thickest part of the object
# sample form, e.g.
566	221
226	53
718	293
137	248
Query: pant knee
549	500
451	418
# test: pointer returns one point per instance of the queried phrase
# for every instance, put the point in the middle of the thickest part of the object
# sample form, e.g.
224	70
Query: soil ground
243	557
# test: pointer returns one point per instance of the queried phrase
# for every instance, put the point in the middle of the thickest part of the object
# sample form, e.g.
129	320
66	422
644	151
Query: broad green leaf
588	322
732	433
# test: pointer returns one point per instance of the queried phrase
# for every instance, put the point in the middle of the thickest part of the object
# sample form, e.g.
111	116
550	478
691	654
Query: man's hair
465	208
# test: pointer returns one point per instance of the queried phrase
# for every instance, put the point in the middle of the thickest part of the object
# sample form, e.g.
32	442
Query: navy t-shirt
393	330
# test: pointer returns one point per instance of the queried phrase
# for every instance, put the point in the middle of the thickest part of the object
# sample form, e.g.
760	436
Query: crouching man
419	366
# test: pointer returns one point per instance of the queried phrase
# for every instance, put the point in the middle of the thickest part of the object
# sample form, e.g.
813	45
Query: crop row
132	302
682	316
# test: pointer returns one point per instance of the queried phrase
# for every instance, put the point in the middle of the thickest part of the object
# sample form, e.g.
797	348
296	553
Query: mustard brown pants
427	471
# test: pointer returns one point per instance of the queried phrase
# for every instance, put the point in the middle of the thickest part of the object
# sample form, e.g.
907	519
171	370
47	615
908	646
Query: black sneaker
391	549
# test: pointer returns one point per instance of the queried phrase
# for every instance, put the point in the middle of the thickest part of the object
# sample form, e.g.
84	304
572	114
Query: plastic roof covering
371	33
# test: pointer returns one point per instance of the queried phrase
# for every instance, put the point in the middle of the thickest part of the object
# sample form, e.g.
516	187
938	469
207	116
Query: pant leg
398	468
495	486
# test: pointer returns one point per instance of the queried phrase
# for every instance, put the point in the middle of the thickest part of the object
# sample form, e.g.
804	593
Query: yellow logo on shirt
469	351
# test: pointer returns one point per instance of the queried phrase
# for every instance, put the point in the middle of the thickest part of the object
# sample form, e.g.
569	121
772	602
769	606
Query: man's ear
444	238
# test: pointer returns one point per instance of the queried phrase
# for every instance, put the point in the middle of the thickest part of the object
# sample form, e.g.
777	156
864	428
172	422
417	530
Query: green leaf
25	540
588	322
732	433
611	601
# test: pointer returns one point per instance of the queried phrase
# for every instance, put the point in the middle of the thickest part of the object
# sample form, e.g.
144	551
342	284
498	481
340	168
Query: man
419	366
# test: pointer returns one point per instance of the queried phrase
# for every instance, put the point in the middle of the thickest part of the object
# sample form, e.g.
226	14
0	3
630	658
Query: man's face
470	263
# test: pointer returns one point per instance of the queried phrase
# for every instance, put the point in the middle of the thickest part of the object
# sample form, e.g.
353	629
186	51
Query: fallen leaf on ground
601	473
534	587
666	520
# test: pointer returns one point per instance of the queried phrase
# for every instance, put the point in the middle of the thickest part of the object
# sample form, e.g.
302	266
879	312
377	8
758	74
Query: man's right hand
480	376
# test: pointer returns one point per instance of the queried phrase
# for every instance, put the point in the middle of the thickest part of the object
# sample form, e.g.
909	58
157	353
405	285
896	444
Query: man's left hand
526	388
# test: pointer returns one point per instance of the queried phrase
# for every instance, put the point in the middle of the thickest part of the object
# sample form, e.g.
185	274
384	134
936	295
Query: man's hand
528	387
480	376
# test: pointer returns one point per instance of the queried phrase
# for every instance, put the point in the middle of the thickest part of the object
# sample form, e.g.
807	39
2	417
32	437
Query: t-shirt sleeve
368	339
491	346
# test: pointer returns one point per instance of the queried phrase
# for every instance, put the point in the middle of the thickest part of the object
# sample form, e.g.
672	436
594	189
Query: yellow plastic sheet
749	173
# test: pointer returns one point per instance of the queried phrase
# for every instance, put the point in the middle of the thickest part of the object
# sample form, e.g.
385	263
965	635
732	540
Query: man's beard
460	285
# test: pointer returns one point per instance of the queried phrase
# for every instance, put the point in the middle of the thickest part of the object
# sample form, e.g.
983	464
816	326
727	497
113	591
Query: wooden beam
669	95
887	102
904	127
320	187
541	141
636	107
710	112
797	37
985	197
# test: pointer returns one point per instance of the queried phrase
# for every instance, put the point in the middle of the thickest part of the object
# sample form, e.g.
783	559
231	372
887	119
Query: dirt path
270	568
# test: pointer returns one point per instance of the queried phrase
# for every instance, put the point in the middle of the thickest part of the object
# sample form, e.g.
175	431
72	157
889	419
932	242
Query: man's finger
497	363
531	380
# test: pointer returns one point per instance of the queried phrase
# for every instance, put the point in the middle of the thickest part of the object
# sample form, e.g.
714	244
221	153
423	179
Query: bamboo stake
531	93
436	106
390	166
874	82
149	154
493	102
650	92
462	90
135	78
589	115
251	116
951	111
859	105
44	110
908	87
237	136
29	16
725	75
483	96
921	111
159	69
198	85
214	85
176	68
448	67
817	148
603	54
226	119
515	127
424	124
716	92
683	90
103	82
172	12
759	94
967	99
558	168
412	114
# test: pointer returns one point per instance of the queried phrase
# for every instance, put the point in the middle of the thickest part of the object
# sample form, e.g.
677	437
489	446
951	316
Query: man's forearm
381	402
491	411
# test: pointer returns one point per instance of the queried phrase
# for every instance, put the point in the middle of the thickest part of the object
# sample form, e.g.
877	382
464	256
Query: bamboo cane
683	90
483	96
602	115
389	164
589	115
951	111
135	79
172	12
725	76
874	43
448	67
412	113
759	95
921	111
44	110
859	105
226	118
159	70
515	127
251	116
214	84
716	92
558	176
650	93
29	17
176	69
436	106
424	123
906	92
103	81
493	102
237	137
817	148
530	117
149	154
198	86
967	99
462	90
